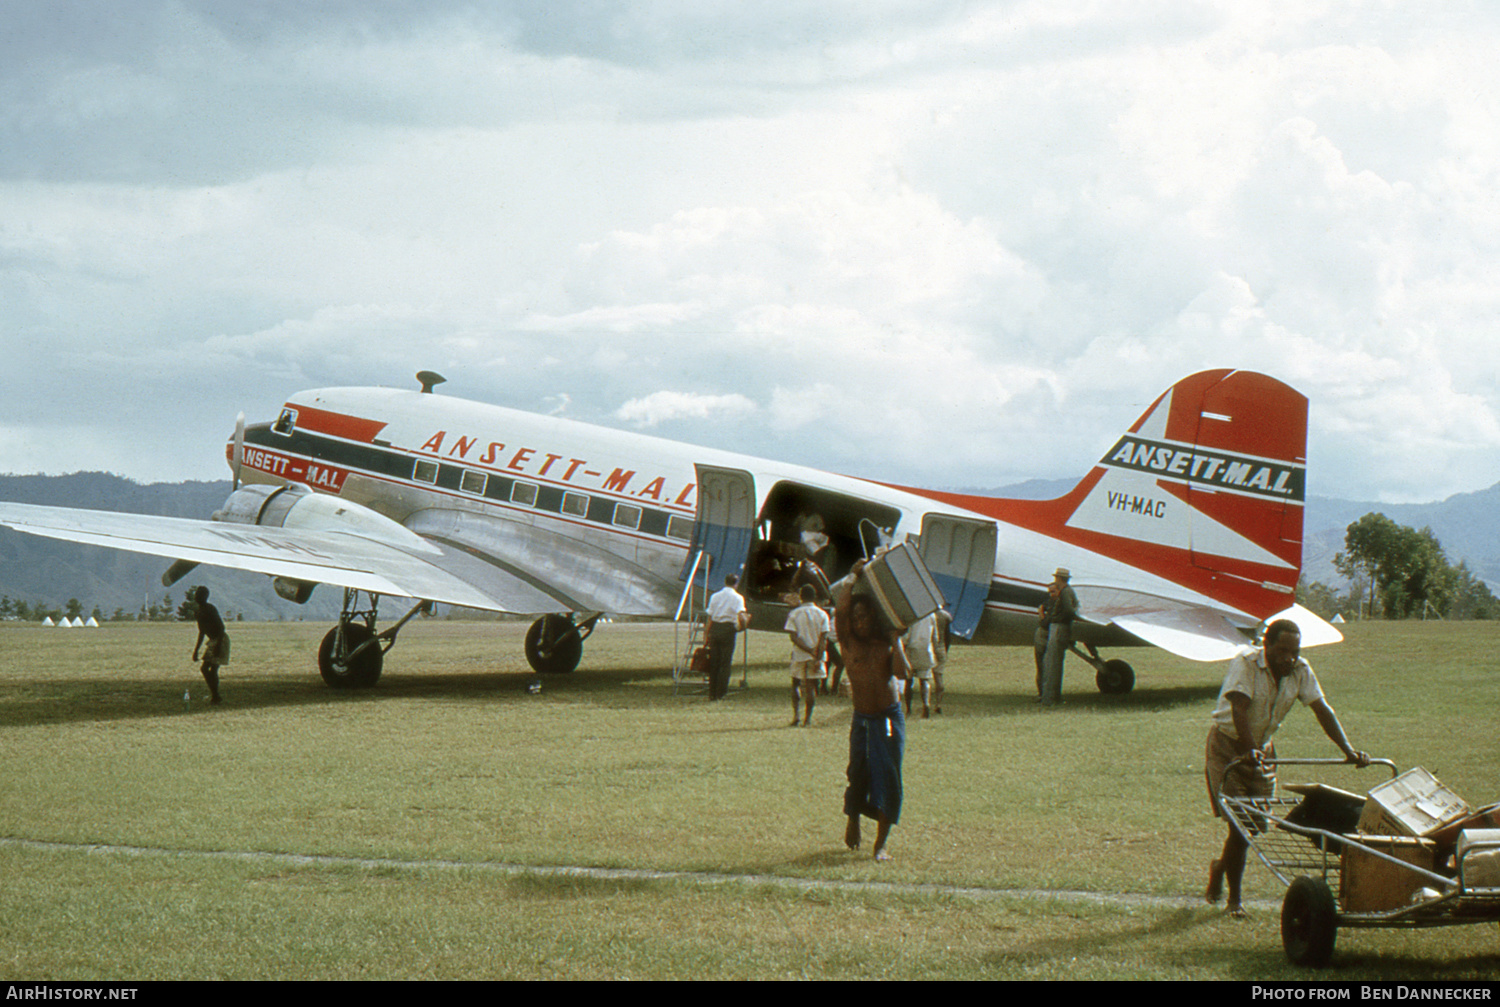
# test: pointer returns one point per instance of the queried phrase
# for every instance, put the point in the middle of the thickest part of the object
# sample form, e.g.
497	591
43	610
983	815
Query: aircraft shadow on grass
25	703
52	700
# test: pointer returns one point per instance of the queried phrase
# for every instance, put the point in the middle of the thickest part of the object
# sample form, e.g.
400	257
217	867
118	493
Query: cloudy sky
945	243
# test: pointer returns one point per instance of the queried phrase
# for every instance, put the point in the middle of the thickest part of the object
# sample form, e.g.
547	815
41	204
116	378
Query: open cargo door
960	555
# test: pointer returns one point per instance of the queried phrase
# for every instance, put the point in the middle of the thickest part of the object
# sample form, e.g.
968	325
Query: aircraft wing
416	570
1196	632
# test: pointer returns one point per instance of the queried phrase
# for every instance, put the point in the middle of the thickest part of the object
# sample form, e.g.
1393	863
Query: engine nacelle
296	506
293	590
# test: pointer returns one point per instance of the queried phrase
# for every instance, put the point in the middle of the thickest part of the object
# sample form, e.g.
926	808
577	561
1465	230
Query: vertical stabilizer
1207	487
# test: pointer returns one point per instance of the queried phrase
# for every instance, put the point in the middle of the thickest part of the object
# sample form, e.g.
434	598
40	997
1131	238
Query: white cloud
661	407
954	243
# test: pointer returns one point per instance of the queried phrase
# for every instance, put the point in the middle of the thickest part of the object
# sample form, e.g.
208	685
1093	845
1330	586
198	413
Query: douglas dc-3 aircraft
1186	535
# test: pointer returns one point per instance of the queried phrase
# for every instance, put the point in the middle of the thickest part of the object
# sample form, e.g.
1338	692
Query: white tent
48	621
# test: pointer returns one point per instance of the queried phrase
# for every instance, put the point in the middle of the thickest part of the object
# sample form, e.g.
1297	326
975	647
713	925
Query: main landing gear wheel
553	646
1309	922
342	673
1116	678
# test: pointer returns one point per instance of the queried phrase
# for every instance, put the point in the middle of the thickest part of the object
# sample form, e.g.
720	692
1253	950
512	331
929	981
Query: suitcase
902	588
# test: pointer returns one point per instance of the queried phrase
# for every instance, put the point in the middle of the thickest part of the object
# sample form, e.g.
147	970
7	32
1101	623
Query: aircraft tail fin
1206	489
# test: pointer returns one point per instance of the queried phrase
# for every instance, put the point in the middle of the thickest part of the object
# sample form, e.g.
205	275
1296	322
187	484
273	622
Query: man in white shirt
807	625
726	617
1259	690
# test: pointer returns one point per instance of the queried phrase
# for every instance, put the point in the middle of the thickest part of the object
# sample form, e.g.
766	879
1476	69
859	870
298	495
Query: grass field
450	759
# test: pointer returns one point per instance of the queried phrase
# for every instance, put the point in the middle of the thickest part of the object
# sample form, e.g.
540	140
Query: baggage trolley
1323	870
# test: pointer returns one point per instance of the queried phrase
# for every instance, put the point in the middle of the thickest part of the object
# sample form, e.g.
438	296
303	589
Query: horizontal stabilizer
1196	634
1315	631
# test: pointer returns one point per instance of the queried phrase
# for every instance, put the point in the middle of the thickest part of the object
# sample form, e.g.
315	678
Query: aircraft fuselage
602	519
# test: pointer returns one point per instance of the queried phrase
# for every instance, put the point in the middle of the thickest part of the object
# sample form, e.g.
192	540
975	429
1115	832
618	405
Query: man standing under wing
1060	615
1258	692
877	737
210	628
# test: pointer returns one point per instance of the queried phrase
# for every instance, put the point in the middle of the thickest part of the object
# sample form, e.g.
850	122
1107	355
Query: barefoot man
210	628
874	661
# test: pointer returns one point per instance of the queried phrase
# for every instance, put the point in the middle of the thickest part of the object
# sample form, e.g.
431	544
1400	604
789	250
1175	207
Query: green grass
451	759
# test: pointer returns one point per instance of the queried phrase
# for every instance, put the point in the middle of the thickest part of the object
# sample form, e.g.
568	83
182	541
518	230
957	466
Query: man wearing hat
1064	609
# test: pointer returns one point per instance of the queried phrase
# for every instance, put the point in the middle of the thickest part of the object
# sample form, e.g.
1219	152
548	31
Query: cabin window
680	528
285	423
627	516
426	472
575	503
473	482
523	494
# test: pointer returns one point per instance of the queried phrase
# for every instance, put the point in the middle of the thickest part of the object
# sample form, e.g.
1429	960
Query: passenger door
960	554
725	525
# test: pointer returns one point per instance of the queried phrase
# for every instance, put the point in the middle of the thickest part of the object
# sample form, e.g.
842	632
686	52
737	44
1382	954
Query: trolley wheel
1309	922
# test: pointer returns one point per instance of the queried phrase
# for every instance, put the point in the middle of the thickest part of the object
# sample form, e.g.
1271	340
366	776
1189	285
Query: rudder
1212	475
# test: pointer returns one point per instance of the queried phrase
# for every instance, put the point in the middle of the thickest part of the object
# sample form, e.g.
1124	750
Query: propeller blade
238	460
177	571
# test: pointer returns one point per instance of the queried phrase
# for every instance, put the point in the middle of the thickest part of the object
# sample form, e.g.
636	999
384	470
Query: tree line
17	610
1397	572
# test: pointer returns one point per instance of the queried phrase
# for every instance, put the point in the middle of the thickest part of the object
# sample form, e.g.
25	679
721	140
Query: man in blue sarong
874	660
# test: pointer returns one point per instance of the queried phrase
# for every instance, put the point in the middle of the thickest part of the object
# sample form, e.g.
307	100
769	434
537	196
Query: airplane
1187	534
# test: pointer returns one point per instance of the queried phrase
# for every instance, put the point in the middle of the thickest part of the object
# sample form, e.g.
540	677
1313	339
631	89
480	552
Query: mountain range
49	571
1466	524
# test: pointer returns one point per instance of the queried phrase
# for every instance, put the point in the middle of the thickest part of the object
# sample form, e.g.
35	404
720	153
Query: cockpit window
285	423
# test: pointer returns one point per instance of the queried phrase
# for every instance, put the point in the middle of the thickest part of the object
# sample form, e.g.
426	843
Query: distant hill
45	570
1467	525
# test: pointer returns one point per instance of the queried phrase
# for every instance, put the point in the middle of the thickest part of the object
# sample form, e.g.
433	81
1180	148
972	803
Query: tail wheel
553	646
336	668
1116	678
1309	923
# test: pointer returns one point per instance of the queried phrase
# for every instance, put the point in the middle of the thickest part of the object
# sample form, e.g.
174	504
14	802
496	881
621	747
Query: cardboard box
902	588
1413	804
1368	884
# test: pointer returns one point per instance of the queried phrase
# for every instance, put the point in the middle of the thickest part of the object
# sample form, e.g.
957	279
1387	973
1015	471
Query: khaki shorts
1247	780
809	671
216	651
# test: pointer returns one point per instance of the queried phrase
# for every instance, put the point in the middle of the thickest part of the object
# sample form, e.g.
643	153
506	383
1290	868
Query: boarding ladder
692	612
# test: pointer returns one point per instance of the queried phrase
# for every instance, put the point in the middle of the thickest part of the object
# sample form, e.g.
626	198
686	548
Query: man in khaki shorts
1259	690
807	625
